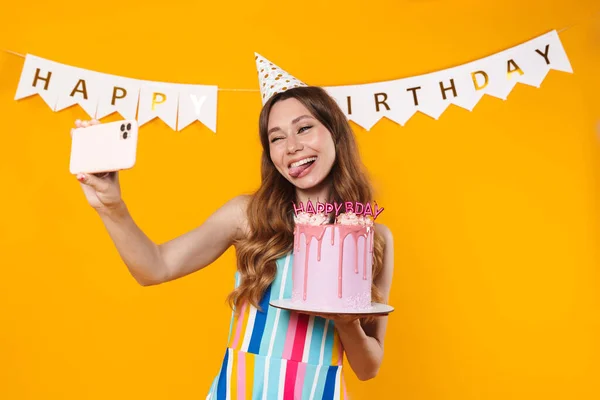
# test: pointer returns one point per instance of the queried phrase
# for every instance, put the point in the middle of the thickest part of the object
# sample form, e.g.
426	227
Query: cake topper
350	207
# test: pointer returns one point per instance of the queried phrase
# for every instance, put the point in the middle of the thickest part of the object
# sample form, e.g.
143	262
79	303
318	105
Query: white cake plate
375	309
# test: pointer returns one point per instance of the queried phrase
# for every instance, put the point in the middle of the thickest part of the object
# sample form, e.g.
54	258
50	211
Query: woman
271	353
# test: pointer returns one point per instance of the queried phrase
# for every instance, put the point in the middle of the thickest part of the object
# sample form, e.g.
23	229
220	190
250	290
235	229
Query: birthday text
349	207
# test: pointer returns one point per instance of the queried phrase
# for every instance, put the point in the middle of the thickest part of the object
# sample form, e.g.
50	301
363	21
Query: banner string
592	16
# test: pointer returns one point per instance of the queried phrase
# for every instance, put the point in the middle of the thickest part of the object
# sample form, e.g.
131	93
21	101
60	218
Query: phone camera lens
128	127
122	127
125	135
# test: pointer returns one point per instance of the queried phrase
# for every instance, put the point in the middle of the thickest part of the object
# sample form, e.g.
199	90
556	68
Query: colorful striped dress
277	354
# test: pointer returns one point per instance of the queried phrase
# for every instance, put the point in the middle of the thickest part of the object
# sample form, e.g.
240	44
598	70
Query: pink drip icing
320	242
356	258
317	232
309	231
296	239
340	265
345	230
365	256
306	270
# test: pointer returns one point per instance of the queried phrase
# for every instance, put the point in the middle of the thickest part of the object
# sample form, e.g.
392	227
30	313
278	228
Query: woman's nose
293	144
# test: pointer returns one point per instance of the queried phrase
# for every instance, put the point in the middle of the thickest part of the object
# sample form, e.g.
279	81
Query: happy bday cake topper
358	208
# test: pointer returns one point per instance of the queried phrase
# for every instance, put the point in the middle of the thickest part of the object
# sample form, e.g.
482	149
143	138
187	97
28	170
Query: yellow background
494	212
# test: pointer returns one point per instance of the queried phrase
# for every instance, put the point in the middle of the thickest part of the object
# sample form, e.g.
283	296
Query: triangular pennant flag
197	102
81	87
43	77
158	100
118	94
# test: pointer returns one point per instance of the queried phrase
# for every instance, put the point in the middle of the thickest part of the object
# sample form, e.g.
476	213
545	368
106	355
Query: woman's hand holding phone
102	191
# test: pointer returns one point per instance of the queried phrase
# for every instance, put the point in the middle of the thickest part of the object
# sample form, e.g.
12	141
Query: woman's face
301	148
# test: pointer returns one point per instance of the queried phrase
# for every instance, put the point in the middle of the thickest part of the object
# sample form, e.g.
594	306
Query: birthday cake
333	262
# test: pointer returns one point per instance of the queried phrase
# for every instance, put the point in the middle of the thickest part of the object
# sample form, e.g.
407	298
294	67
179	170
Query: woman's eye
275	139
304	128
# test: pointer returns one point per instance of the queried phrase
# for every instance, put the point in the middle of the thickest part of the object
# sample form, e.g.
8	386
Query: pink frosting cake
332	267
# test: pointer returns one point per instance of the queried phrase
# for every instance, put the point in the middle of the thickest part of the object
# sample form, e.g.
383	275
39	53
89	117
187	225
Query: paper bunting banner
179	105
463	86
99	95
197	102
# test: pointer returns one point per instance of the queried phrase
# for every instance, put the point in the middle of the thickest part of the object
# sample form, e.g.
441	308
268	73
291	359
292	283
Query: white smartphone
104	147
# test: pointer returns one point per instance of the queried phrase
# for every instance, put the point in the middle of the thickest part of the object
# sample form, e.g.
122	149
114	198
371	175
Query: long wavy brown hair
270	212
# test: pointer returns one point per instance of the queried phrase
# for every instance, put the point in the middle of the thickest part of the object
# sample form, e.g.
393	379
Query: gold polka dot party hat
273	79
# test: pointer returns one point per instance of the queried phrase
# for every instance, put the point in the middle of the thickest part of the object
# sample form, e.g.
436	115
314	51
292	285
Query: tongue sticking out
295	171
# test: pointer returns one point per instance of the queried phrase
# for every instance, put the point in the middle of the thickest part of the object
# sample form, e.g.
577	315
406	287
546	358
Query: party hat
273	79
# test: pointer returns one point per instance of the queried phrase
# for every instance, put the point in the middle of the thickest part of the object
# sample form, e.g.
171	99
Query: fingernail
81	177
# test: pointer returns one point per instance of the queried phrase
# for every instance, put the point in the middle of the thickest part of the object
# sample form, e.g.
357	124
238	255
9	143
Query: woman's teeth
302	162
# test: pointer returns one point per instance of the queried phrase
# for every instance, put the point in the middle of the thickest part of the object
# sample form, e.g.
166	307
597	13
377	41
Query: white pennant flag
118	94
467	78
158	99
43	77
83	87
197	102
431	93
